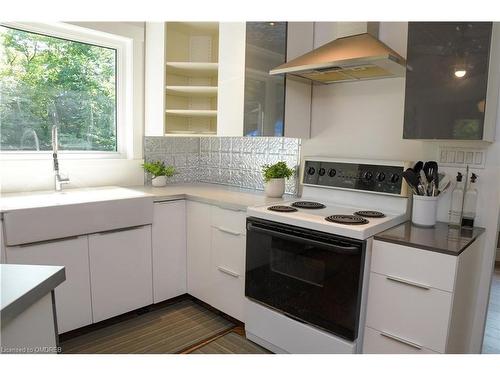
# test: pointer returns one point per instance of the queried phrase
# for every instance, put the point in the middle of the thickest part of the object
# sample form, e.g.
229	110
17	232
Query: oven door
311	276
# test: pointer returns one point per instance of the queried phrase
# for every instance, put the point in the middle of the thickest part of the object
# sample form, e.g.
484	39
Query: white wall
365	120
25	175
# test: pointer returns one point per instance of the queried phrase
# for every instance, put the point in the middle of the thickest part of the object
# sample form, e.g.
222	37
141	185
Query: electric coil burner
308	205
347	219
369	214
281	208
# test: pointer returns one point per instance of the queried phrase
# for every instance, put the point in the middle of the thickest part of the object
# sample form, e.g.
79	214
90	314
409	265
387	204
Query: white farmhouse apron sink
42	216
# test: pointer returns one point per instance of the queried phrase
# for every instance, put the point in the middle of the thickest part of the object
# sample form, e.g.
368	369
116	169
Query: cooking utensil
431	174
413	180
435	179
444	183
446	186
418	166
423	182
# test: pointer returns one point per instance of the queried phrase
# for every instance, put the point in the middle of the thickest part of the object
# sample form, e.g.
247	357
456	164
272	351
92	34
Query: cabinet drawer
412	312
420	266
229	220
376	342
228	273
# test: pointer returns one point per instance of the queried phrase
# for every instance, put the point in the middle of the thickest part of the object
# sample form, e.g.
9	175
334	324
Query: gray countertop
23	285
440	238
224	196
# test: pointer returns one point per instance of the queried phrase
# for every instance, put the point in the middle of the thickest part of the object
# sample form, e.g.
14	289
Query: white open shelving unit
195	79
191	73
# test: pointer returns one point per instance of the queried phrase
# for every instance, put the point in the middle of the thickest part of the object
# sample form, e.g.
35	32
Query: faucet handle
62	178
59	181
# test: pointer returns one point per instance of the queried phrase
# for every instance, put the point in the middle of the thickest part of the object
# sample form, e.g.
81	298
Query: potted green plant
274	178
159	172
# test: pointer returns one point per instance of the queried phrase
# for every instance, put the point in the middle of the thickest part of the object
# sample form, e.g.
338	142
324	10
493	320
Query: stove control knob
321	171
332	172
394	178
311	171
381	176
368	176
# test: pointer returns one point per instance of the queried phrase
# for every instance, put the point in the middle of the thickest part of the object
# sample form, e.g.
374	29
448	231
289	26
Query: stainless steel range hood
350	58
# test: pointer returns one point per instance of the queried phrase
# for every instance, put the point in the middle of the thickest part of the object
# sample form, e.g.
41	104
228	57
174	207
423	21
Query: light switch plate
461	157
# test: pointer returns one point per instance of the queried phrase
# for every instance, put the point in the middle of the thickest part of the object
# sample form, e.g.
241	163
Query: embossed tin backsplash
234	161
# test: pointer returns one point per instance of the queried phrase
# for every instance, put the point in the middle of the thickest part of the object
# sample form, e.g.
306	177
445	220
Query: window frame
124	88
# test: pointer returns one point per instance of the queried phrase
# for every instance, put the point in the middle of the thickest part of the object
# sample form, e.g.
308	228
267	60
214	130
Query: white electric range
307	259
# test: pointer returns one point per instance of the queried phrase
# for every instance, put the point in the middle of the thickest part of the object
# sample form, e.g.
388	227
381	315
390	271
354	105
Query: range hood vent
351	58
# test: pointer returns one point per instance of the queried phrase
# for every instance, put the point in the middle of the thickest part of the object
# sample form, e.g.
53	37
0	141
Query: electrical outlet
461	157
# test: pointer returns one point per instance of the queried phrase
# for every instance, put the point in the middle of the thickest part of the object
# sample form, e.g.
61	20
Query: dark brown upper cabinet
448	81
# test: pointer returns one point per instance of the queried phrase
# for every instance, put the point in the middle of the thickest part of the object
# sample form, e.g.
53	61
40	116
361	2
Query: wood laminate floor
182	327
491	344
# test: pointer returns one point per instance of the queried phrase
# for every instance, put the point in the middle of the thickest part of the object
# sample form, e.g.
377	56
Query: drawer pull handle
228	272
399	339
408	282
228	231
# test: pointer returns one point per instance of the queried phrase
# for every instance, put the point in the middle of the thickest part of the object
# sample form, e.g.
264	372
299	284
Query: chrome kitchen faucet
58	180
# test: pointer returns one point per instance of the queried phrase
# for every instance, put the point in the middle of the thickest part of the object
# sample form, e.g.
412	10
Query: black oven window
297	261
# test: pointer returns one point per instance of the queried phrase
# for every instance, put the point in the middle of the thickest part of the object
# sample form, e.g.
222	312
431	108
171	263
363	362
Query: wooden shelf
192	112
193	69
210	91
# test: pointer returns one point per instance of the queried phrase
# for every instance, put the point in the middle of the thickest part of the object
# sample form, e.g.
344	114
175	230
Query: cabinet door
121	271
228	271
447	79
231	79
169	250
264	94
198	251
73	304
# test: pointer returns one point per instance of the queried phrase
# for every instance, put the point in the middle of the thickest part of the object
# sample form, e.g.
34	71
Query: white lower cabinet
169	250
228	271
120	271
216	241
419	301
73	304
191	247
198	251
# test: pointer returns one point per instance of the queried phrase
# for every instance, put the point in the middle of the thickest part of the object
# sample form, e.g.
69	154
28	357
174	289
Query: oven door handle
348	250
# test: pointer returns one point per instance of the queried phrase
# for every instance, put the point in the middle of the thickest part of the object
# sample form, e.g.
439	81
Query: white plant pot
159	181
424	210
275	187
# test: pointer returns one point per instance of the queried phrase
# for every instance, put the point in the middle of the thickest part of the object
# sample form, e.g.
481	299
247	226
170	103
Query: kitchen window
64	75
